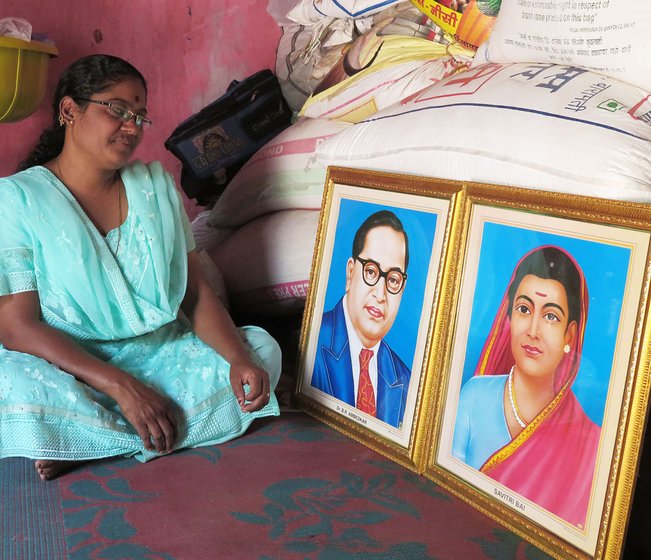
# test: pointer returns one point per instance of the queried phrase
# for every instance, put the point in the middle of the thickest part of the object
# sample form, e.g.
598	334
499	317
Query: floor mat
32	525
291	488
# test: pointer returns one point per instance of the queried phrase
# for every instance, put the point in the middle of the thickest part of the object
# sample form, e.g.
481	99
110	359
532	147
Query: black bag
214	143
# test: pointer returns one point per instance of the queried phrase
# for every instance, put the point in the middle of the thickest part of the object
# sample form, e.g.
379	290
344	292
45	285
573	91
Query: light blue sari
119	297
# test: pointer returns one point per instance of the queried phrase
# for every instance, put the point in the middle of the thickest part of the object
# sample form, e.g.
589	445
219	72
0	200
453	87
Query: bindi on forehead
540	294
137	98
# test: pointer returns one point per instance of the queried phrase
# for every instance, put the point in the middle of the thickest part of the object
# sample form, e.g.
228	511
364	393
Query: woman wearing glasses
97	261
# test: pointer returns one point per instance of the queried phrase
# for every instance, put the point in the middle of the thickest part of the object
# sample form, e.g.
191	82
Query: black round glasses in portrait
394	278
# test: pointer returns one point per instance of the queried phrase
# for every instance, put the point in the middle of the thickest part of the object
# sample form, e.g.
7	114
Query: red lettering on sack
641	111
475	79
289	148
482	72
278	292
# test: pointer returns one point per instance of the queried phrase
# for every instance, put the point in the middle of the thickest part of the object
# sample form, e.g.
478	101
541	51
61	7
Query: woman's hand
22	330
151	414
257	379
212	324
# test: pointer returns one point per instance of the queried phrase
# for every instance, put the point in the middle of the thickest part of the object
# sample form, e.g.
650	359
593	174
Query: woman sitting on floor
96	261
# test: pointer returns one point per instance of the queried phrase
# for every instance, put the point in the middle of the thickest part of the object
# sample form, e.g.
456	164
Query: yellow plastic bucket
23	76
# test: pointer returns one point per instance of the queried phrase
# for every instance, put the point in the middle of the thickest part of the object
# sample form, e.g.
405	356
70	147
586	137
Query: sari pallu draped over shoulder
118	296
83	291
551	462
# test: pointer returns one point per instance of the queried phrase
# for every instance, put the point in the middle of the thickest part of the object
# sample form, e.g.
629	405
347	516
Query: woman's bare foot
48	469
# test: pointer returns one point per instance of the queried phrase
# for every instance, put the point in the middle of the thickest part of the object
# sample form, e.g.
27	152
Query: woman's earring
567	348
61	120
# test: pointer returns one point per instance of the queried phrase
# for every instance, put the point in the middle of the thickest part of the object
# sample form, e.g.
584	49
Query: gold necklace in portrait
514	404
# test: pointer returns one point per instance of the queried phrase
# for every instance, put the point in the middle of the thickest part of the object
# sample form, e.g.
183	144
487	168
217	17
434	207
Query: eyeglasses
394	278
121	113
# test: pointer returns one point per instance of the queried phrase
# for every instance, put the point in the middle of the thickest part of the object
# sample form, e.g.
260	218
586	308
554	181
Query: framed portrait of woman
541	405
368	336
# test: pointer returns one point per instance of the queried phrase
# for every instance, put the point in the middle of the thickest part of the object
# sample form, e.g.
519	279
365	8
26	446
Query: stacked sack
403	100
262	229
547	103
315	37
536	125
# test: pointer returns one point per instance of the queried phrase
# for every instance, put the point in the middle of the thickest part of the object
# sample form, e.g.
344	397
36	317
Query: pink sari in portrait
551	462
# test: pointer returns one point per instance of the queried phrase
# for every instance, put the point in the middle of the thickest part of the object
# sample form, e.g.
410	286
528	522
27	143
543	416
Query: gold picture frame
588	453
402	327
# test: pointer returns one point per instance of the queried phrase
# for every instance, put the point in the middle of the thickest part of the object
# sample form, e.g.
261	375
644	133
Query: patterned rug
290	489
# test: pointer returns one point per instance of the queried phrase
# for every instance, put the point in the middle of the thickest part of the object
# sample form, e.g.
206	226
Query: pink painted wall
189	51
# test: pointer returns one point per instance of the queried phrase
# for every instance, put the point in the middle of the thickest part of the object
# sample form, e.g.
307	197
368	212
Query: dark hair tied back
83	78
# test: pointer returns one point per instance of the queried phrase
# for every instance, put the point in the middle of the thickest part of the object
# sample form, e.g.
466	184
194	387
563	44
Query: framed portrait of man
542	399
367	334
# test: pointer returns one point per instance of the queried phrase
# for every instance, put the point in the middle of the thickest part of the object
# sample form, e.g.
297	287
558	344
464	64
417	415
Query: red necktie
365	394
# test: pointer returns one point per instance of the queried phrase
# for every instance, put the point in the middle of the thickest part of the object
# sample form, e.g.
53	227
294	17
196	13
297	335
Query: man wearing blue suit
353	363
